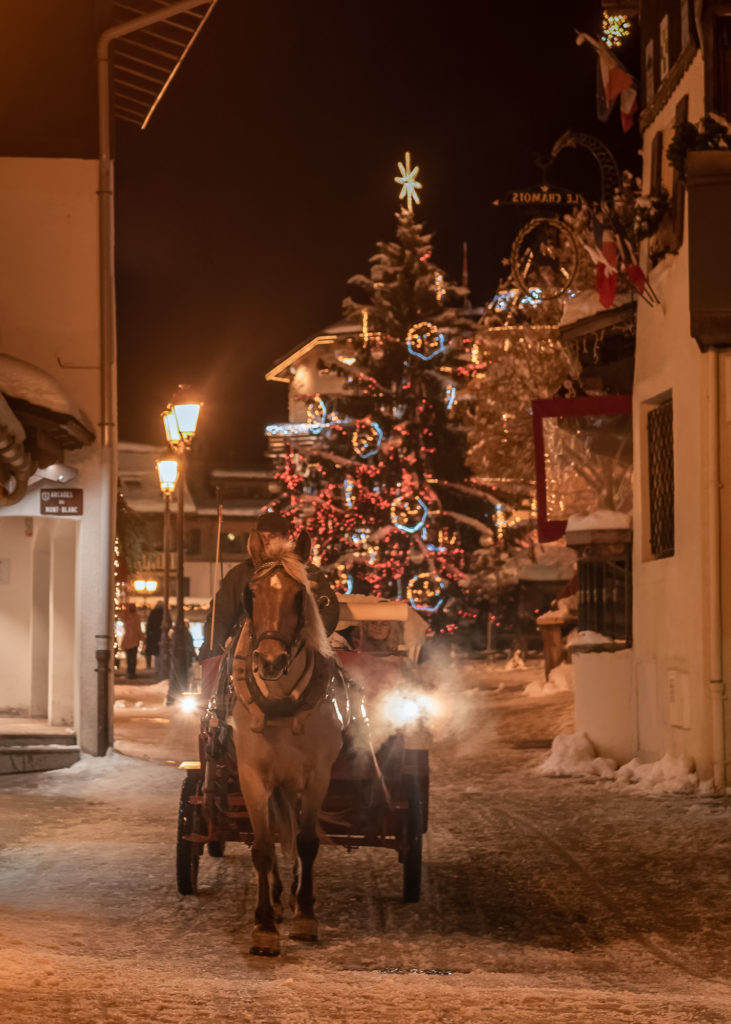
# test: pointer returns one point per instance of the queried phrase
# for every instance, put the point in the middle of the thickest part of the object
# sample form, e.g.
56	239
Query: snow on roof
19	379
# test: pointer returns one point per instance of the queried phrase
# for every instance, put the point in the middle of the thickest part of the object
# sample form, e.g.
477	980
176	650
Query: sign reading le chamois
62	501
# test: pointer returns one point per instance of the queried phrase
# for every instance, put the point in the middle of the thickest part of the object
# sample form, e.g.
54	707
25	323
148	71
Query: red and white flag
613	81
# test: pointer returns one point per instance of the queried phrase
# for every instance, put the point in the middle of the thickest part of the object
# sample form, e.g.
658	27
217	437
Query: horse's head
277	601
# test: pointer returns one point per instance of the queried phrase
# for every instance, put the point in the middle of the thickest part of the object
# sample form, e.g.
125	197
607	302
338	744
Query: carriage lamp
180	421
189	702
402	709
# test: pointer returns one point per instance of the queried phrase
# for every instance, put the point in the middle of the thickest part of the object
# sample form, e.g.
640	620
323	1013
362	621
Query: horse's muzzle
270	668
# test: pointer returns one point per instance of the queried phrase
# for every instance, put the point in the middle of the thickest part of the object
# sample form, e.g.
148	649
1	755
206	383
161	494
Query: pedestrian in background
153	632
131	638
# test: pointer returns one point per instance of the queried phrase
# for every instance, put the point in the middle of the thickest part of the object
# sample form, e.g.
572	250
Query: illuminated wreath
367	438
409	514
425	592
425	340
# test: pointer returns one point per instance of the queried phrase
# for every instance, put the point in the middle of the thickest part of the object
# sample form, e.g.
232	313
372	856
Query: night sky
265	179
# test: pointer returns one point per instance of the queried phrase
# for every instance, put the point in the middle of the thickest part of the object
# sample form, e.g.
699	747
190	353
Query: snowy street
544	899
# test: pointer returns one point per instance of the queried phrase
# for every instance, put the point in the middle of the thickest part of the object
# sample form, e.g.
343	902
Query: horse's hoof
264	943
304	929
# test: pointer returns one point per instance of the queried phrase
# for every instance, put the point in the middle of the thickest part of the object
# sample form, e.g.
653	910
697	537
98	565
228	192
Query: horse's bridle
291	645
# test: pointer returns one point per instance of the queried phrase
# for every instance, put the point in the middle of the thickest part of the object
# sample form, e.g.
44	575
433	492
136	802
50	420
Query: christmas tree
383	490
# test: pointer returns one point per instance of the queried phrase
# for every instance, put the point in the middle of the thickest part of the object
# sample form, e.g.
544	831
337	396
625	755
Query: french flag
613	82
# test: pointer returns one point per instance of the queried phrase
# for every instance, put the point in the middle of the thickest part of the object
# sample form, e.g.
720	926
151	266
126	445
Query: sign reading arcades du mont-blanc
62	501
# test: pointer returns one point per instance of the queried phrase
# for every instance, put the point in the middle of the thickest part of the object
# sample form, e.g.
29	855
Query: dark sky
265	179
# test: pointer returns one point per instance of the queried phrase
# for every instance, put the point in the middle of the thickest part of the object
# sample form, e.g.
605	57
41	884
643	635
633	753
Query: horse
286	731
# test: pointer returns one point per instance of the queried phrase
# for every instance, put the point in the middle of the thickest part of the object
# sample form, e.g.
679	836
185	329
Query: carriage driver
229	603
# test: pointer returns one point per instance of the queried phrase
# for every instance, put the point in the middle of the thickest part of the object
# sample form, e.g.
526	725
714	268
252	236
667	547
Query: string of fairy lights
615	29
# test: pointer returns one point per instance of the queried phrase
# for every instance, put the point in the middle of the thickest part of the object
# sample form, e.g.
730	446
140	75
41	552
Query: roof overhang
340	331
144	61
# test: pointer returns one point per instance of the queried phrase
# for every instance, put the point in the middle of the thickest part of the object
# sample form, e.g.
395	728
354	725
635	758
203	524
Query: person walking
153	632
131	638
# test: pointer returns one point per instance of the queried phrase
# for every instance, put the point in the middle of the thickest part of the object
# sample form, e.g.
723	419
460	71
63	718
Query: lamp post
167	474
180	421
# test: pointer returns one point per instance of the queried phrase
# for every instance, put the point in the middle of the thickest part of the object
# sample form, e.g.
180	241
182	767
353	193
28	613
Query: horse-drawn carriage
373	790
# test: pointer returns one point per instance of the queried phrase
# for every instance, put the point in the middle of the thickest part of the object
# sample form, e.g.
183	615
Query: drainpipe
108	359
716	683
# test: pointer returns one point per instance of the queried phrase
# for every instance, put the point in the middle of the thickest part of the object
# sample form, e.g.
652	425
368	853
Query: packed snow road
557	900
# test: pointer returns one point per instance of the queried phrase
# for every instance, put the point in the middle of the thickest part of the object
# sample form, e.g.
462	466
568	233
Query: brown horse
287	734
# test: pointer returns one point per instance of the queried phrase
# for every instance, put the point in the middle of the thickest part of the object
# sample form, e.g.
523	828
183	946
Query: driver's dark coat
230	604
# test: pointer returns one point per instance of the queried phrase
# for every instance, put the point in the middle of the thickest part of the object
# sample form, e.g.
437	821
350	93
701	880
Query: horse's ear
255	547
303	546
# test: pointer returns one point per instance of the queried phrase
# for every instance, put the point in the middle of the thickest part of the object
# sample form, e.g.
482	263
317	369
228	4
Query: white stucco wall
16	560
671	596
604	702
49	316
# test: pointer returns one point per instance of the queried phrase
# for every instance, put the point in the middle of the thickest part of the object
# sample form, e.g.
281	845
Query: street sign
62	501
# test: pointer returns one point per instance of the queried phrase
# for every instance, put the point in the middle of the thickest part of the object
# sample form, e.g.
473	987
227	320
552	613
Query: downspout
108	365
716	683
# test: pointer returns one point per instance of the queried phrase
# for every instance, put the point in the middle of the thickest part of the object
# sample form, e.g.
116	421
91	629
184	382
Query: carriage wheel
414	833
217	847
188	854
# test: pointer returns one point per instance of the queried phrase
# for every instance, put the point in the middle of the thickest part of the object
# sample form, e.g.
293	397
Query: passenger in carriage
379	636
229	603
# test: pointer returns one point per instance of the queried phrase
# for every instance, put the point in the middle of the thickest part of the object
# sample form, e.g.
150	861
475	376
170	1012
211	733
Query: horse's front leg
276	888
304	925
264	937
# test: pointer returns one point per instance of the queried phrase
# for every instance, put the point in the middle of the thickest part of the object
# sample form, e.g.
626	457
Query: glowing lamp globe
180	419
167	474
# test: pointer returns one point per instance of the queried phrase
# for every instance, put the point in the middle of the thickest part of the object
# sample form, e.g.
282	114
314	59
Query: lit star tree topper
408	182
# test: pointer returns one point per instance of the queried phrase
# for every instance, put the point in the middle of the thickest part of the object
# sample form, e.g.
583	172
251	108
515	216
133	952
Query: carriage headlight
407	708
189	702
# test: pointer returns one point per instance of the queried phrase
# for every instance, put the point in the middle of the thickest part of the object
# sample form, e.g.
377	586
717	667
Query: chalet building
666	694
68	71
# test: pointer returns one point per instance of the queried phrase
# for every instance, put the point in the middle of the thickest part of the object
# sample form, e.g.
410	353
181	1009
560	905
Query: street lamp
167	474
180	420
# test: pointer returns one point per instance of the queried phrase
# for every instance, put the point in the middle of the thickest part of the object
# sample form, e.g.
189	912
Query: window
661	479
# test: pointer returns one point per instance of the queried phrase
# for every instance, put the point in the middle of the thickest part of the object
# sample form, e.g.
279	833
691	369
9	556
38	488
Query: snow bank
560	680
671	774
574	755
112	775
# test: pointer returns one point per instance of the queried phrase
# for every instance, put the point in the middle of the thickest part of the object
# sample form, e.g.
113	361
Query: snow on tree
384	490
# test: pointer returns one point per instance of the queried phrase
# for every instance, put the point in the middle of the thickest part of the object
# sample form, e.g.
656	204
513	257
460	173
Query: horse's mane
280	551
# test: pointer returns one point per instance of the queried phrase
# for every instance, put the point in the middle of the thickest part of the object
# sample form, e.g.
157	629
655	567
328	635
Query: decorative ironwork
605	593
662	480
